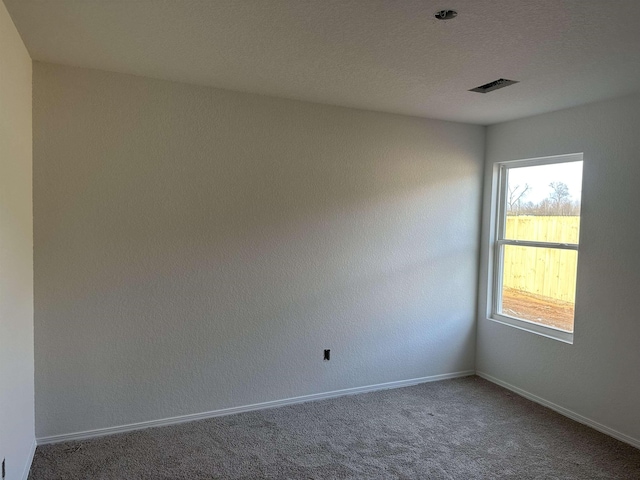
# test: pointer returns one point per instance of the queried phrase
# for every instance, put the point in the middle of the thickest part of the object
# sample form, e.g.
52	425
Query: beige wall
197	249
596	378
16	254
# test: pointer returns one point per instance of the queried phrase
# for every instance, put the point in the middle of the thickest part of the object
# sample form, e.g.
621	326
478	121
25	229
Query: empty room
308	239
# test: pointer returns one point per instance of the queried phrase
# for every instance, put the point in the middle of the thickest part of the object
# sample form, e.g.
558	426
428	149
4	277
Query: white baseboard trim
27	466
246	408
634	442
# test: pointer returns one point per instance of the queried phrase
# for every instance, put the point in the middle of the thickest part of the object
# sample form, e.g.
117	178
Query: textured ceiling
387	55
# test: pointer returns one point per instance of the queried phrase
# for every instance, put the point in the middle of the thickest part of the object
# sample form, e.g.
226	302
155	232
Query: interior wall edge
17	427
634	442
27	465
101	432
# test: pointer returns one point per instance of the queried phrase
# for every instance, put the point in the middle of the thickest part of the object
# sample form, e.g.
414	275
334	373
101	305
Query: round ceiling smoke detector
446	14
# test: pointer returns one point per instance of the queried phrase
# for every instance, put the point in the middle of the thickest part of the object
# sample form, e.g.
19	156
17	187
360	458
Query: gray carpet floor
455	429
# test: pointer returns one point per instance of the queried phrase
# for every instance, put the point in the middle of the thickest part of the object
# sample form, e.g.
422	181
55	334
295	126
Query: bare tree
560	197
516	195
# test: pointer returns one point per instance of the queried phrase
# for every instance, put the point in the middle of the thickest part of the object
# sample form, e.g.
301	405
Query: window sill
549	332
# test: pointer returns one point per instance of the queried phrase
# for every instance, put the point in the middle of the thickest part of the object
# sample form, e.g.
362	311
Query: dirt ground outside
535	308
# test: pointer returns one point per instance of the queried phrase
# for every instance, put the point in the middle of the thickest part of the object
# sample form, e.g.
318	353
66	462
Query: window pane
543	203
539	285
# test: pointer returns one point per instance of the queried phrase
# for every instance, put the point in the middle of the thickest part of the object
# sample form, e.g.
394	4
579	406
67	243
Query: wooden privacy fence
548	272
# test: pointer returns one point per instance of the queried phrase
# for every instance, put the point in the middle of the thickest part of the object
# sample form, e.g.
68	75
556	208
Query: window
536	244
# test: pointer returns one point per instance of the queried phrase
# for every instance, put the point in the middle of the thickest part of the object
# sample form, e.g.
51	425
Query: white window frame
496	273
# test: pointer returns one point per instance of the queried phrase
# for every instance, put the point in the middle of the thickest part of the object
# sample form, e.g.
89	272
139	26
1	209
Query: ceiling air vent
495	85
